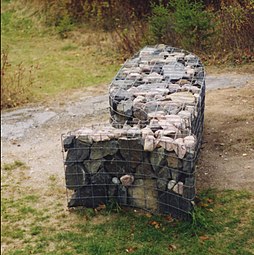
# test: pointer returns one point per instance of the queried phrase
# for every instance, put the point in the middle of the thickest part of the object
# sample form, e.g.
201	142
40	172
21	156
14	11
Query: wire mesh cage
146	156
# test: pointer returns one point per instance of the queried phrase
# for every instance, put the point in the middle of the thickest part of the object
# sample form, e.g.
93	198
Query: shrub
192	23
183	23
160	23
129	40
16	82
236	25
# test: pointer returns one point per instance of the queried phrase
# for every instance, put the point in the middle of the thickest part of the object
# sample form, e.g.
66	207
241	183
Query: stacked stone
146	157
158	81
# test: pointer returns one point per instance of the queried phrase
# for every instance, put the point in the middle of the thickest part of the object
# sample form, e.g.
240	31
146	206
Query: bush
160	23
192	23
16	82
236	26
182	23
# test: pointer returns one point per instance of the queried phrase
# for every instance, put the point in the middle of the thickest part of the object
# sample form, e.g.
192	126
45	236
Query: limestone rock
165	142
127	180
179	147
171	184
115	180
149	143
178	188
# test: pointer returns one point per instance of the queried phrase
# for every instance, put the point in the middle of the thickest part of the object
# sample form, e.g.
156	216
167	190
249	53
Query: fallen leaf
209	200
148	215
156	224
204	238
171	247
100	207
130	249
169	218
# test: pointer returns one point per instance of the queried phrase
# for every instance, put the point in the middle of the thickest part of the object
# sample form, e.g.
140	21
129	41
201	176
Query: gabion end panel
103	164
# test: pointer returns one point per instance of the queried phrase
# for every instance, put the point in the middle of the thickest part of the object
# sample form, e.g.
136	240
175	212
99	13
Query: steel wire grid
111	162
147	72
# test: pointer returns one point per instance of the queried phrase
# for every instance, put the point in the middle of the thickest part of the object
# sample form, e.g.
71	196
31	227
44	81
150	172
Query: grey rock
116	166
102	149
157	159
172	160
178	207
144	170
89	196
101	177
125	107
78	153
122	197
92	166
188	163
152	107
189	190
131	150
175	174
121	94
164	173
118	120
75	176
174	71
139	112
162	184
68	142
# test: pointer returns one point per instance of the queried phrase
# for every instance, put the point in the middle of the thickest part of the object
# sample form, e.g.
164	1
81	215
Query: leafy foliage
182	23
160	22
192	23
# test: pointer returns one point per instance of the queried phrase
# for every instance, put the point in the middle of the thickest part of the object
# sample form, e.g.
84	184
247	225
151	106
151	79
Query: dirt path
33	134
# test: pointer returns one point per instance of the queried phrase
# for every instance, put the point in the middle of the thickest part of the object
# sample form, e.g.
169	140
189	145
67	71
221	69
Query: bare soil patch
226	161
227	156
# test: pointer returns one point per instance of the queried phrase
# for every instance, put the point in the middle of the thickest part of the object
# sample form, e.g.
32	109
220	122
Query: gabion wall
146	156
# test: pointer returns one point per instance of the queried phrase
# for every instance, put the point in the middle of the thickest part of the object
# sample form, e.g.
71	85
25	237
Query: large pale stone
143	194
149	143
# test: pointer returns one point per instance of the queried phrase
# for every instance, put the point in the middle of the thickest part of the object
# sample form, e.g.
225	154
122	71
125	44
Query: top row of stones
156	79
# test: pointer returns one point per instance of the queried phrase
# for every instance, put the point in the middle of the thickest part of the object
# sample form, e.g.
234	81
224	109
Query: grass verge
84	59
33	223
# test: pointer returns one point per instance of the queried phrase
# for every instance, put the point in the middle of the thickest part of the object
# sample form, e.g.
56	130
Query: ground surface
33	134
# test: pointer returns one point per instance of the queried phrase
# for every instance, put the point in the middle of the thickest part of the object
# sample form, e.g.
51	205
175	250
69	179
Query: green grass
33	224
84	59
14	165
